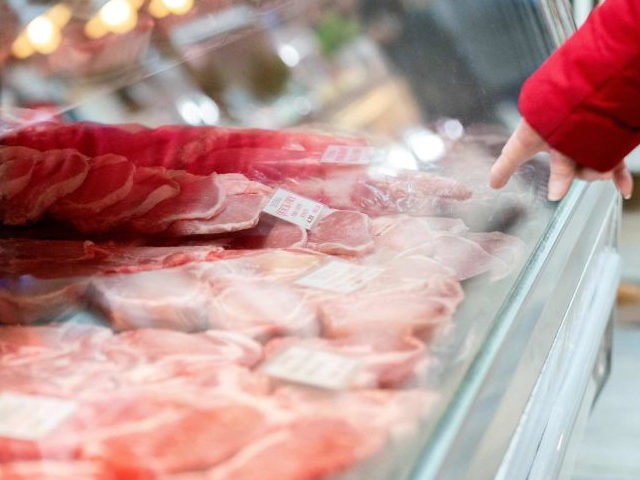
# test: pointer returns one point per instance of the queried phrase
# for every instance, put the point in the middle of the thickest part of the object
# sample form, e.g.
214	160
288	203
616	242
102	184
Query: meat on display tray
203	302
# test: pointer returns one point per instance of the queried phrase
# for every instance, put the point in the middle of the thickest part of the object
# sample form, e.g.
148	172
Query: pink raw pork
108	181
16	168
55	470
150	187
394	305
240	212
269	233
342	232
259	307
386	360
55	174
24	341
201	196
309	449
216	347
29	302
170	298
193	439
96	417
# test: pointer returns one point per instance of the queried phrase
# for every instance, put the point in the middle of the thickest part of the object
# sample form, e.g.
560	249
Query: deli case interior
255	240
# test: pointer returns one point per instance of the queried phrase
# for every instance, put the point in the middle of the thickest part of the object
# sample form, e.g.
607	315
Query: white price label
340	277
350	155
313	367
294	208
30	417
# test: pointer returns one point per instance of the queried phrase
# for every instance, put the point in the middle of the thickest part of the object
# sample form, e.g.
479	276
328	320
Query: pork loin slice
237	183
146	345
28	341
342	232
269	233
258	307
151	185
466	257
393	305
108	181
387	360
313	447
56	173
240	212
43	300
16	168
99	415
53	470
201	196
170	298
194	439
506	249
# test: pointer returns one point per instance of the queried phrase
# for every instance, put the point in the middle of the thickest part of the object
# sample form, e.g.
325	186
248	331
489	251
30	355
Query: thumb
523	144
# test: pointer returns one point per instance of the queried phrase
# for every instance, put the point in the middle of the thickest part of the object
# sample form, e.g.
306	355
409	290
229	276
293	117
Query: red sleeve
584	100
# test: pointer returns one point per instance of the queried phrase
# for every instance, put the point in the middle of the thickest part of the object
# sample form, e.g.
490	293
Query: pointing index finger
523	144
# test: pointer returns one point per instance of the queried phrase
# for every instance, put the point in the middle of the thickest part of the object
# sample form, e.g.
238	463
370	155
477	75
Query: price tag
313	367
340	277
350	155
30	417
293	208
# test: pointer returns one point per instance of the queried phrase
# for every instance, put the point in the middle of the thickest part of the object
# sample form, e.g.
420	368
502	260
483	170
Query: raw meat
464	256
258	307
170	298
55	470
23	341
391	304
342	232
509	250
28	300
199	150
308	449
376	193
55	259
56	173
269	233
216	347
100	416
108	181
240	212
200	197
16	168
193	439
387	360
150	187
238	184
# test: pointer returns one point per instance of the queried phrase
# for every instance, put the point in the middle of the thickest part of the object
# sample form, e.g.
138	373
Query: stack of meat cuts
226	343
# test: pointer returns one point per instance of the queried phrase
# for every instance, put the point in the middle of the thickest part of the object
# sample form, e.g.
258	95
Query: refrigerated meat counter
256	240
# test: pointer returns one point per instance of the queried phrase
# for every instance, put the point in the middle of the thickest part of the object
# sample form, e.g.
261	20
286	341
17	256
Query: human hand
525	142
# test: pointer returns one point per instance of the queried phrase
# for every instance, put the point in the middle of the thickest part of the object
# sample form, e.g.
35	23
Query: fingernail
553	197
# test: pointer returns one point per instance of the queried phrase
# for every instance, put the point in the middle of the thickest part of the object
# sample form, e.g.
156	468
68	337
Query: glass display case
412	324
